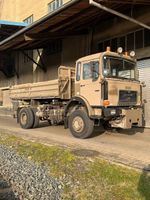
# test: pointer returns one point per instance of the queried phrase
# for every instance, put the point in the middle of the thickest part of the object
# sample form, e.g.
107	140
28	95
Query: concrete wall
143	53
18	10
117	26
73	49
51	62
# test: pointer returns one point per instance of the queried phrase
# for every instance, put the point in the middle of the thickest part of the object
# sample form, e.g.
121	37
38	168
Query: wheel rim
78	124
23	118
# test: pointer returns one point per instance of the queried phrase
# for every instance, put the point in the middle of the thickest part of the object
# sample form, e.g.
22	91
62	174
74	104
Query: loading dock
55	34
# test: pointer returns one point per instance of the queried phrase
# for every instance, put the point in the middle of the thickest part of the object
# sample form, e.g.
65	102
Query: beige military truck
103	89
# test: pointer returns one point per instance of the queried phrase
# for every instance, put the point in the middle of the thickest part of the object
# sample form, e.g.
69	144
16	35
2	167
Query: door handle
82	85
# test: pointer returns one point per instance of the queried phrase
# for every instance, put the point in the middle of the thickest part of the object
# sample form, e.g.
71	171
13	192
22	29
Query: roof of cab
108	53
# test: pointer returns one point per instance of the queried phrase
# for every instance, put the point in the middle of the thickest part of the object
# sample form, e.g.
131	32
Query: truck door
90	82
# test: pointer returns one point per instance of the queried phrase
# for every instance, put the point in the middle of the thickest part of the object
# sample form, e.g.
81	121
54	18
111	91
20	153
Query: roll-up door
144	75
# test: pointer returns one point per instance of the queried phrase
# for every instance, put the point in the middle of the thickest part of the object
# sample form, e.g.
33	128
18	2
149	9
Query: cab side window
91	70
95	65
87	72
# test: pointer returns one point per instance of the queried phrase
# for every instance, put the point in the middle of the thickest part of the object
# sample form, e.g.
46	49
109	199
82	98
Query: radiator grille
126	96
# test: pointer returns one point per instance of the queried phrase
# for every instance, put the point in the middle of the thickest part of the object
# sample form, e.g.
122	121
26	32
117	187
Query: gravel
28	180
6	192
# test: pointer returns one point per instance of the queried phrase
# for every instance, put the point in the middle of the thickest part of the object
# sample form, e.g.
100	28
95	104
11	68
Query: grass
84	178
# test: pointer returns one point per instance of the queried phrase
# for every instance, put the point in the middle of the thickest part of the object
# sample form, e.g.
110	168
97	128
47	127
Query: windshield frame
122	59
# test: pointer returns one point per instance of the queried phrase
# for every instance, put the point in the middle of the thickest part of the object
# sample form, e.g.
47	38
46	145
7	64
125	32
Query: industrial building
37	37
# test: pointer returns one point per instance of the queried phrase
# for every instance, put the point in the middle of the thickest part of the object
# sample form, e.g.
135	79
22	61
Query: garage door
144	75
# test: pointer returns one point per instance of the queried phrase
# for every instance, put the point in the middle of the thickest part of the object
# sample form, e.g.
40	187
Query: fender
77	100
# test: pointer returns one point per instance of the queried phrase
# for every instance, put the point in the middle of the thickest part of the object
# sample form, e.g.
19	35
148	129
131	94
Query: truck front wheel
26	118
80	125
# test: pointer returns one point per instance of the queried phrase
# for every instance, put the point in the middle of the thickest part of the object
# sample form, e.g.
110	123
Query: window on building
146	37
107	43
122	42
139	41
54	47
28	20
130	41
54	5
101	47
114	44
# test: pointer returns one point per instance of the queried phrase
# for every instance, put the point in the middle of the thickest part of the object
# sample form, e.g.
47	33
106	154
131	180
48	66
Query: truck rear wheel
36	118
80	125
26	118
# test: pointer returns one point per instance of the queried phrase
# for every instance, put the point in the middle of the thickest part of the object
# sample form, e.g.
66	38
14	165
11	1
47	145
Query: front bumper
128	118
111	112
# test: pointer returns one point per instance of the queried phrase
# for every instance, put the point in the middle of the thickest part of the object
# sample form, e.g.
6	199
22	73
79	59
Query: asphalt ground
127	147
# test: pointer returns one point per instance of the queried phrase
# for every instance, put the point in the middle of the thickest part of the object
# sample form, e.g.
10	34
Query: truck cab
108	85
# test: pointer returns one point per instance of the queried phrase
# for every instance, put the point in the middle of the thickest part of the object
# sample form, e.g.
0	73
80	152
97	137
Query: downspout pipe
98	5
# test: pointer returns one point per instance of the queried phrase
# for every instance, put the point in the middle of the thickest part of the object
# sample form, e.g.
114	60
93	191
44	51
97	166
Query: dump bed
38	90
63	87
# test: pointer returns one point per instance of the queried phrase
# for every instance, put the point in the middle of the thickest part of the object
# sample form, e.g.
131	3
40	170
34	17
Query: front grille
127	96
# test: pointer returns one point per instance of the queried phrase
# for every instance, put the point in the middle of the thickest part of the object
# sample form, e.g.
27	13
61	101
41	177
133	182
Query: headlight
132	54
113	112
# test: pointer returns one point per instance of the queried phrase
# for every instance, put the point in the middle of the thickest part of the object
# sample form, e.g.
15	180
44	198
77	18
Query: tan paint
6	98
44	89
130	116
115	85
1	97
91	90
63	87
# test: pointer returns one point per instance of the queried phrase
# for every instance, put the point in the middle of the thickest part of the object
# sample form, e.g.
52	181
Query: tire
80	125
26	118
36	119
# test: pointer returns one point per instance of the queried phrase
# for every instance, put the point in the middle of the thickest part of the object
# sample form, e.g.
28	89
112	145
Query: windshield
118	68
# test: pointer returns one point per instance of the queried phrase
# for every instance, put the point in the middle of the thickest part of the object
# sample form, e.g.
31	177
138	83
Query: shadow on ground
99	130
132	131
43	124
144	183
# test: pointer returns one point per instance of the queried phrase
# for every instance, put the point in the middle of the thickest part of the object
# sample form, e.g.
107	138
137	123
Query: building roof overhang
8	28
74	18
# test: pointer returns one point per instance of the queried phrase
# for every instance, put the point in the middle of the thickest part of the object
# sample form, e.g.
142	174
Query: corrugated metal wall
144	75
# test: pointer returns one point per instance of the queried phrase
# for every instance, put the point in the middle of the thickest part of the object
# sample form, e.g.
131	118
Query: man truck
102	89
